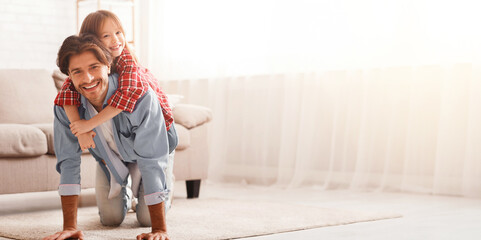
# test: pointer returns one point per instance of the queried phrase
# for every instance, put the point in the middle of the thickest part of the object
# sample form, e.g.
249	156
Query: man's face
89	76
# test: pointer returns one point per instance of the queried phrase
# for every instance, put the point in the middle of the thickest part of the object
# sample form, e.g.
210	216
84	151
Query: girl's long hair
94	22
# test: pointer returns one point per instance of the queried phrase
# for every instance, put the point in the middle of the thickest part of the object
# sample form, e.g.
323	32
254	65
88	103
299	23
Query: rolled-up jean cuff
156	197
68	189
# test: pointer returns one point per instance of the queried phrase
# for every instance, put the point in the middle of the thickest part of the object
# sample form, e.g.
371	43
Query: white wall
31	31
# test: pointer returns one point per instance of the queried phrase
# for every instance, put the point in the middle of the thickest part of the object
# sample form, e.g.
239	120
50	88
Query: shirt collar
113	78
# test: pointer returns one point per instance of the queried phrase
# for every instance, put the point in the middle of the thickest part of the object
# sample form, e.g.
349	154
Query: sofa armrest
191	116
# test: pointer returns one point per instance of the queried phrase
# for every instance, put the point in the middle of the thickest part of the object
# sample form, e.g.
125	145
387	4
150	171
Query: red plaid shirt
134	81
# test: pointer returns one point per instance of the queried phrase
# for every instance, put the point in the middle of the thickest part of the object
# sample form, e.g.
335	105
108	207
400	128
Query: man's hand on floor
153	236
66	234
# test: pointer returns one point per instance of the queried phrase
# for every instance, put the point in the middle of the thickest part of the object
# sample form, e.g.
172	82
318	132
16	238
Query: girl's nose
115	39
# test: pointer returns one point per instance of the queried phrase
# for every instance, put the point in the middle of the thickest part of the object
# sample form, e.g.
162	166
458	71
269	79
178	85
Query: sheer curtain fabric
377	95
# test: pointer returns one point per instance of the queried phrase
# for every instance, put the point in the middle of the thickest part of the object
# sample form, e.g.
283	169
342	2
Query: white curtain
379	95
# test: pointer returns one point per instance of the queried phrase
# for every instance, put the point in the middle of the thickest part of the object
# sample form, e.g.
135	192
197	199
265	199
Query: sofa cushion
184	137
47	129
18	140
26	96
191	116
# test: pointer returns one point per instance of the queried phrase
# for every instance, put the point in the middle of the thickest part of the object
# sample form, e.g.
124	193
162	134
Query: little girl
134	80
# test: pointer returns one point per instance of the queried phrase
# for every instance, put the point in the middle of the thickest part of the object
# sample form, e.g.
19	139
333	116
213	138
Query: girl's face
112	37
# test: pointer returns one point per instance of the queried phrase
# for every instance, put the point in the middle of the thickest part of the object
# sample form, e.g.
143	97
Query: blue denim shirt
141	137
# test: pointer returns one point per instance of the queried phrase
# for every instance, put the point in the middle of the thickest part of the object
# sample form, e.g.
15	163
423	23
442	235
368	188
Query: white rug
194	219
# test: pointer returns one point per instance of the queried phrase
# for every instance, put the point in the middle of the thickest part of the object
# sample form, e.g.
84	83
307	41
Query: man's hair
75	45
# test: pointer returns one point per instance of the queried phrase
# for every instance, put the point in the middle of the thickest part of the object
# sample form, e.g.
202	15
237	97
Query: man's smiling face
89	76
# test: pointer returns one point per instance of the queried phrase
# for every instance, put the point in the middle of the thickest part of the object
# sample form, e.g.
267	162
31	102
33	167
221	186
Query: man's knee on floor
144	221
144	218
112	219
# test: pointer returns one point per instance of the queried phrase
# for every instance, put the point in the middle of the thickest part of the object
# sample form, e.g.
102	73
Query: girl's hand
86	140
80	126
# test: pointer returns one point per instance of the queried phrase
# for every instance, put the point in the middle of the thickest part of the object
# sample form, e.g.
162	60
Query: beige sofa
27	160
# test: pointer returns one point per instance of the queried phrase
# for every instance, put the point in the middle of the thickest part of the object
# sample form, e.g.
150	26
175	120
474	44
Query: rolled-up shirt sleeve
68	154
151	148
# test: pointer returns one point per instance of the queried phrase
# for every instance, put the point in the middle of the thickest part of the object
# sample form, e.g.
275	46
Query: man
136	143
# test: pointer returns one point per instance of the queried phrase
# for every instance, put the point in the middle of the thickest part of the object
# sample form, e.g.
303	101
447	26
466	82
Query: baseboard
37	201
